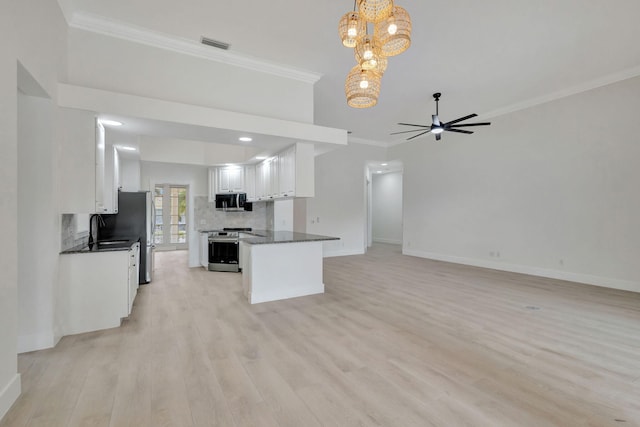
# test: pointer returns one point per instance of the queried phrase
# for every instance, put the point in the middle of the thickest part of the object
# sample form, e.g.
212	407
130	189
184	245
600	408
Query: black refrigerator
134	220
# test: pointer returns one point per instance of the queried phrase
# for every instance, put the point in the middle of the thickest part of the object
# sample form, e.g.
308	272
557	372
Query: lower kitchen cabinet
134	274
204	250
97	289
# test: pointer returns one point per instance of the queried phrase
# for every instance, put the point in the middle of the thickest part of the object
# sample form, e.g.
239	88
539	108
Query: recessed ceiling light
261	157
128	148
384	164
378	171
110	122
245	139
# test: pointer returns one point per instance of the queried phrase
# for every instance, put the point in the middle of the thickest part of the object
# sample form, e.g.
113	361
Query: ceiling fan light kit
436	127
390	35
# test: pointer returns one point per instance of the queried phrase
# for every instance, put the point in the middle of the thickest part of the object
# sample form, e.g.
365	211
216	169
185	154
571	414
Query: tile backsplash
73	231
208	218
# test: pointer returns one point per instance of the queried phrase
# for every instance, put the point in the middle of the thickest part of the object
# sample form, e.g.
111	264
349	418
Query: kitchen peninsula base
282	268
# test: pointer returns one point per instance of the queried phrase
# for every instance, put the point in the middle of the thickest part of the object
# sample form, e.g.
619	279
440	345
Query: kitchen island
278	265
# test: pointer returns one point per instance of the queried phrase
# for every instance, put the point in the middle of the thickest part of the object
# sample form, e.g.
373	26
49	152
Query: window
171	216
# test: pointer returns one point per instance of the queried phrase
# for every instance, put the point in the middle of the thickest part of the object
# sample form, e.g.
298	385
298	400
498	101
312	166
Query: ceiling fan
437	127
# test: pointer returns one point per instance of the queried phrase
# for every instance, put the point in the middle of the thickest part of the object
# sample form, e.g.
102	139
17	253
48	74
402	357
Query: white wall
129	174
32	33
551	190
38	224
196	177
339	200
387	207
117	65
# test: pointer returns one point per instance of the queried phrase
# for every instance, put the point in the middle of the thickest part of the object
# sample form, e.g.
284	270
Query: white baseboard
606	282
35	342
9	395
391	241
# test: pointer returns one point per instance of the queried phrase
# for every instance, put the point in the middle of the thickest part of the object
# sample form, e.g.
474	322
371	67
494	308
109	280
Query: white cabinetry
250	182
97	289
86	171
204	250
228	179
287	172
290	173
134	274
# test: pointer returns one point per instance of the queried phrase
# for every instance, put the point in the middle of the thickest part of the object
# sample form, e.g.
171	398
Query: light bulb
368	54
392	28
437	130
364	84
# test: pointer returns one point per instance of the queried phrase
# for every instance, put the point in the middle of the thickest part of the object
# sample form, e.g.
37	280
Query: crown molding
629	73
111	28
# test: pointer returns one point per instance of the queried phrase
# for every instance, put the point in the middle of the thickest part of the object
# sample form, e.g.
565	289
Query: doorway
385	203
170	217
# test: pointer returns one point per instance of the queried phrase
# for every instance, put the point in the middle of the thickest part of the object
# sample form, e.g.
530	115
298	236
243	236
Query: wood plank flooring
394	341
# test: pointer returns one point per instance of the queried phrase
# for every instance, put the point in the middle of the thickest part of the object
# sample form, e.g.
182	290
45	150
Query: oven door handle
223	240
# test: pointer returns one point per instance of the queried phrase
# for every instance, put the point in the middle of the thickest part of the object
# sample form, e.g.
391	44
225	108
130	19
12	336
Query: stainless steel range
224	251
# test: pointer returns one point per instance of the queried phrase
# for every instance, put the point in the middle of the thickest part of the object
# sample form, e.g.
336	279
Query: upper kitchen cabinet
296	171
86	167
250	182
228	179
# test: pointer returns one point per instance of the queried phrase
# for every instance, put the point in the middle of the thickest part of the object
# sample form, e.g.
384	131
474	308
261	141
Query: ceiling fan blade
420	134
458	130
435	120
438	136
411	124
471	124
407	131
460	119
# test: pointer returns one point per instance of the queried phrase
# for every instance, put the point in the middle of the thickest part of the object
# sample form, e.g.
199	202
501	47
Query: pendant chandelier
390	35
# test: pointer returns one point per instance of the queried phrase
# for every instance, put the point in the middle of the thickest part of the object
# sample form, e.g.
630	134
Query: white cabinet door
223	183
225	180
250	182
93	290
274	188
213	184
261	187
134	271
204	250
236	179
230	180
287	172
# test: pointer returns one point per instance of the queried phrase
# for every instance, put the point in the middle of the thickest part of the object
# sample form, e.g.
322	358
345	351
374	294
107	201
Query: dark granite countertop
263	237
123	244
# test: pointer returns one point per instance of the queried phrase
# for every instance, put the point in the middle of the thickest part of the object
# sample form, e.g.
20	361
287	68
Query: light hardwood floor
394	341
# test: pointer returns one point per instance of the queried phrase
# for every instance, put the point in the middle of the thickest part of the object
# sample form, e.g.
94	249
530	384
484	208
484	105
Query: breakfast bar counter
278	265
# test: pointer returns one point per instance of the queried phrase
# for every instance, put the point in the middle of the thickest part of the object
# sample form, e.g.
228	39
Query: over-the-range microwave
233	202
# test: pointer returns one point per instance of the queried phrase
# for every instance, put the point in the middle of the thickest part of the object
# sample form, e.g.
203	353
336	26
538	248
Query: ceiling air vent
214	43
